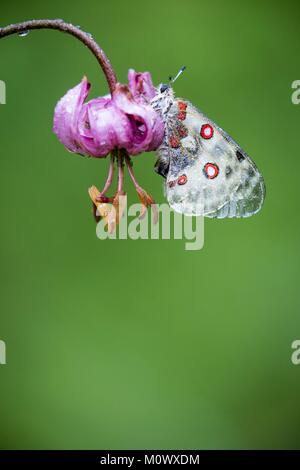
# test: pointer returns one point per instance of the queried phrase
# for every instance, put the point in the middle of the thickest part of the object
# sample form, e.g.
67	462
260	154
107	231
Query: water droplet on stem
22	34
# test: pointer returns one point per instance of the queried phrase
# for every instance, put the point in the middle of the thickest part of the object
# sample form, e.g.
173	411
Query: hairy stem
75	31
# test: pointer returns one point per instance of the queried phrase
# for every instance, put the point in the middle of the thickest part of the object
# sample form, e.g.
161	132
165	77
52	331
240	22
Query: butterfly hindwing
206	172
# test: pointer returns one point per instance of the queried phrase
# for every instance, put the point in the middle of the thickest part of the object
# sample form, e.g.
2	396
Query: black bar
139	458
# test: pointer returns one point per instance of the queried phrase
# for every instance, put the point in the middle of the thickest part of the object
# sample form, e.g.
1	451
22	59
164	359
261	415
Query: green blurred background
141	344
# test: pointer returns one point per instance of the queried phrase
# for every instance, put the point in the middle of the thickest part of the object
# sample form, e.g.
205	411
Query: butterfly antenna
172	80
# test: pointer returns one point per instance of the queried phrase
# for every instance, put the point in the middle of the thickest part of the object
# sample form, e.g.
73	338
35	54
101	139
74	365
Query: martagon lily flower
120	124
124	120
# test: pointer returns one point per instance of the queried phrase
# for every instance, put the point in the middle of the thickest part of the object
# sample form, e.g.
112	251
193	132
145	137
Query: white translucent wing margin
247	199
249	196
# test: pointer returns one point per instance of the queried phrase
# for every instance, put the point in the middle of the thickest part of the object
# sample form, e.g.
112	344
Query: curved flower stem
75	31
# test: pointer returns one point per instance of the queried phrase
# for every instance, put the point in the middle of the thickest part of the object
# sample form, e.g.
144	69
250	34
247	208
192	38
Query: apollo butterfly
205	170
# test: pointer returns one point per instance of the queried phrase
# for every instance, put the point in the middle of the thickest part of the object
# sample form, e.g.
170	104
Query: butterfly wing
206	171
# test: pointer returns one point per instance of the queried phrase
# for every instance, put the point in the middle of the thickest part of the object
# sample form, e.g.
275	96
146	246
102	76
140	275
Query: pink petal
146	126
66	116
108	127
141	86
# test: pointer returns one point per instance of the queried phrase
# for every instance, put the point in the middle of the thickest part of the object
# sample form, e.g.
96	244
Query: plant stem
131	173
75	31
109	179
145	198
120	173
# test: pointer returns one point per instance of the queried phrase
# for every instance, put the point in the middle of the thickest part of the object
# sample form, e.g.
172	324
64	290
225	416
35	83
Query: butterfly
206	172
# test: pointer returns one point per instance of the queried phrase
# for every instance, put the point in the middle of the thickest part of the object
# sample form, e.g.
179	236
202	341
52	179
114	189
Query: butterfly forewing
206	172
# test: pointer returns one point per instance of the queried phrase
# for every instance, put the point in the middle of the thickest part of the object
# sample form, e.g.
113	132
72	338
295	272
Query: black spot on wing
251	172
228	171
162	167
240	156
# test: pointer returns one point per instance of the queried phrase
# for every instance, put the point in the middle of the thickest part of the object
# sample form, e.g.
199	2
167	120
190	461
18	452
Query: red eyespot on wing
181	115
174	141
211	170
172	183
182	180
206	131
181	105
182	131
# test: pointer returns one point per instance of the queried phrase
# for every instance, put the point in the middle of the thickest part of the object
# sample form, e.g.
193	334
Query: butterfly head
163	87
163	99
165	95
165	92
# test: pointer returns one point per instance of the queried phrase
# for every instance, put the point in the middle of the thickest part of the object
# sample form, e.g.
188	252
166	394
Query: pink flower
126	120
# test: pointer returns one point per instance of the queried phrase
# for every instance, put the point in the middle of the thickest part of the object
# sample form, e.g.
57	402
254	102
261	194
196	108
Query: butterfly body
205	170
